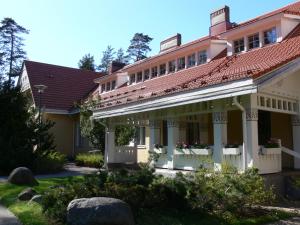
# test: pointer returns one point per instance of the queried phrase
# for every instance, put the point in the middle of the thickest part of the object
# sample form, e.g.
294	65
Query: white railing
125	154
290	152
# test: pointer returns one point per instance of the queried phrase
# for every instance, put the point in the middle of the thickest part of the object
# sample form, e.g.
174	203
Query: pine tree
121	57
107	58
87	63
139	46
11	47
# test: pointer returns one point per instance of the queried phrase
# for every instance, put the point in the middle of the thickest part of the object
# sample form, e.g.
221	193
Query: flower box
160	150
201	151
271	151
182	151
231	151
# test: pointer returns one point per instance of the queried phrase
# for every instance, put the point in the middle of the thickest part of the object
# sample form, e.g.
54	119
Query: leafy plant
50	163
89	160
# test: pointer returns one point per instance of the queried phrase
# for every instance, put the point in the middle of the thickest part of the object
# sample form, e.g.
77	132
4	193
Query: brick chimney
115	66
219	21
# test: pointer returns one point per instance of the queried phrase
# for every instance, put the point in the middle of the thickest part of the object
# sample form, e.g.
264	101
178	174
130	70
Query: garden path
7	218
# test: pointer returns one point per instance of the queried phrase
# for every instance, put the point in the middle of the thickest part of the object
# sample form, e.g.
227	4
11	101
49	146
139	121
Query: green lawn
31	214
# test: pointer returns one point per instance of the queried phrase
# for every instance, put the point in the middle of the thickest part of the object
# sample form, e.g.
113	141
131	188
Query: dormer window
139	77
162	69
154	72
239	45
191	60
181	63
202	57
270	36
108	86
253	41
102	88
113	85
146	74
172	66
132	79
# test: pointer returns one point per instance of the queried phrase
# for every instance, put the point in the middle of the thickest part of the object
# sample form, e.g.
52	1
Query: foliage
89	160
124	134
51	162
11	47
121	57
273	143
87	63
107	58
139	46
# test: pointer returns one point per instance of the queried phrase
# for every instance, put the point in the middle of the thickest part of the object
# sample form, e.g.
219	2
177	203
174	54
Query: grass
31	214
89	160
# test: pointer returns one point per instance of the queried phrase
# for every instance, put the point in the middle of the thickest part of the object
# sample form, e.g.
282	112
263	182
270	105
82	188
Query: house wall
143	151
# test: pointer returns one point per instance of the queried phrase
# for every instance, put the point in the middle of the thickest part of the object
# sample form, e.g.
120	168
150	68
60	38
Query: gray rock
36	198
100	211
27	194
22	176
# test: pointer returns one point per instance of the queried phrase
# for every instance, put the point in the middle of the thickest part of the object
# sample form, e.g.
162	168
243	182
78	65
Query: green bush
51	162
89	160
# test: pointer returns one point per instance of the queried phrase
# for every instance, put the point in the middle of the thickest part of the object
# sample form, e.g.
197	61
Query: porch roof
221	70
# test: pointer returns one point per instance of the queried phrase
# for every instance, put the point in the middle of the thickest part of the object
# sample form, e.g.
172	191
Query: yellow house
64	87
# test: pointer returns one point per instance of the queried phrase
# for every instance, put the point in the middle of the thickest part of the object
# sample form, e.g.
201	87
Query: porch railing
290	152
125	154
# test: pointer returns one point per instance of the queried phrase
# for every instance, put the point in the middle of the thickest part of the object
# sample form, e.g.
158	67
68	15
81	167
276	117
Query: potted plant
232	149
182	149
201	149
159	149
272	147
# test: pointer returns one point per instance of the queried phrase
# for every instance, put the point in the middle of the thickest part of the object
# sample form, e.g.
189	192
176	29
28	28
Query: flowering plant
182	145
200	146
273	143
158	146
232	145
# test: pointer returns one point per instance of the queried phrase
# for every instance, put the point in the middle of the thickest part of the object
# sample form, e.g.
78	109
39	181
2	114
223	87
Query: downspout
244	121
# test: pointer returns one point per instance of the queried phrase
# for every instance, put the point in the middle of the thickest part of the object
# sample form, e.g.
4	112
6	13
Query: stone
22	176
26	194
36	198
100	211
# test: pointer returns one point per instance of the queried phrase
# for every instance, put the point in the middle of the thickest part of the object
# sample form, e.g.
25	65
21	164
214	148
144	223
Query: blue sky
62	31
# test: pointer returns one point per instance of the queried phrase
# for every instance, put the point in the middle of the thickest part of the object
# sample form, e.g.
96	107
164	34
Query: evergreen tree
11	47
121	57
87	63
107	57
139	46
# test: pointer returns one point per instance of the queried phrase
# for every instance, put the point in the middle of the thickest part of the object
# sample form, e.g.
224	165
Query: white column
296	139
261	39
252	137
246	43
110	144
186	62
154	126
173	137
220	137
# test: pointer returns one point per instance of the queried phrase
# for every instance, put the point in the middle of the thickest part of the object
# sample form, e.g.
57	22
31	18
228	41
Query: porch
231	131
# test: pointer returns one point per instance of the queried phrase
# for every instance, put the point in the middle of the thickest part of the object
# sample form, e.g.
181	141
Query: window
239	45
202	57
162	69
141	135
172	66
270	36
253	41
154	72
102	88
108	86
191	60
132	79
113	85
181	63
146	74
139	77
78	137
165	133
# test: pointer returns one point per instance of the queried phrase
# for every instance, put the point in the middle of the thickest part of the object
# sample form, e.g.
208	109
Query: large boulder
100	211
27	194
22	176
36	198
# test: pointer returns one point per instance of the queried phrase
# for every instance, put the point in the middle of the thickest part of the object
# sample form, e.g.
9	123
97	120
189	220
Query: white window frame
273	32
202	57
239	45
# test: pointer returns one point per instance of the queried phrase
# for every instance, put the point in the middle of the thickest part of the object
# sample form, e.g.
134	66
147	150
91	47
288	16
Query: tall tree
11	47
107	56
87	63
139	46
121	57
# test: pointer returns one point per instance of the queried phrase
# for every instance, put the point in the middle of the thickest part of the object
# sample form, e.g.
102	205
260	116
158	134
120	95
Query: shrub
89	160
51	162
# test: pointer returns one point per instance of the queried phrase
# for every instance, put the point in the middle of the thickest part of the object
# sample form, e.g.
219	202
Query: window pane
108	86
270	36
239	45
191	60
162	69
132	79
139	77
146	74
172	66
102	88
154	72
181	63
202	58
253	41
113	85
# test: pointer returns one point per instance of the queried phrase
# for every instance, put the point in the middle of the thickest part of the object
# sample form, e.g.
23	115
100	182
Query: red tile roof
65	85
251	64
